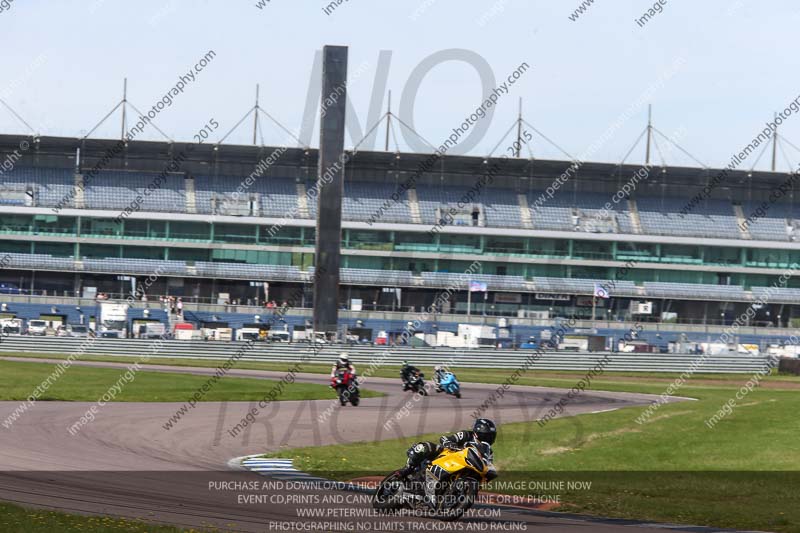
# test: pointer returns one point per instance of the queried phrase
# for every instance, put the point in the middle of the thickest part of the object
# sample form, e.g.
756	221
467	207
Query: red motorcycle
346	385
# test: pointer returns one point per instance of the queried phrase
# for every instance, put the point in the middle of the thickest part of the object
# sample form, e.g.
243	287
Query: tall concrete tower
331	188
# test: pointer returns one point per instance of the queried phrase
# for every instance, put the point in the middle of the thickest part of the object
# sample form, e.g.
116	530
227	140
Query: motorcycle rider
406	372
438	374
343	363
483	430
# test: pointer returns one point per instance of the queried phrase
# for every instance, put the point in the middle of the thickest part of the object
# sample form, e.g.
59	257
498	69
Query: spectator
180	308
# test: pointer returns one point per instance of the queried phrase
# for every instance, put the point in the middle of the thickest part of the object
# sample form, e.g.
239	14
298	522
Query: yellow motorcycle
444	488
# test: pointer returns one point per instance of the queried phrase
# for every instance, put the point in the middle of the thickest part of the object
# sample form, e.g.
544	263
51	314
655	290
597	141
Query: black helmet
484	430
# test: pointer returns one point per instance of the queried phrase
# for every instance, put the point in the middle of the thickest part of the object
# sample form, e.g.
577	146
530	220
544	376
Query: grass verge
22	520
80	383
545	378
743	473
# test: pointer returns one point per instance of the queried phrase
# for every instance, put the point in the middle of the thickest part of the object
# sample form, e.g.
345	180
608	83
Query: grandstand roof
231	159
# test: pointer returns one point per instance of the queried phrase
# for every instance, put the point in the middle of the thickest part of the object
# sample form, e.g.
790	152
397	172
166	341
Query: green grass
20	520
79	383
741	474
544	378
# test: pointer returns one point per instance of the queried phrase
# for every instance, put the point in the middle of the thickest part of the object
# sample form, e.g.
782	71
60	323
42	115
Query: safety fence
474	358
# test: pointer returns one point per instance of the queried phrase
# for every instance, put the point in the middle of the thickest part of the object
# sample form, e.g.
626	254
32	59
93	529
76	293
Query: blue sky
63	63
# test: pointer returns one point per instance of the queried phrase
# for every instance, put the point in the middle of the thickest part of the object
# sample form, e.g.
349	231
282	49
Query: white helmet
437	368
344	358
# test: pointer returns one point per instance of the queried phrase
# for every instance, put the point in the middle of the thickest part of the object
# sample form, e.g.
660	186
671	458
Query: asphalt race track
126	463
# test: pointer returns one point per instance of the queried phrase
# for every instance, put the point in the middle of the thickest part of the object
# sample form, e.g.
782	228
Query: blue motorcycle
450	385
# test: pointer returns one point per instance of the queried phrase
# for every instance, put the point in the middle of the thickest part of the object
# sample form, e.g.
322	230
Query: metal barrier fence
480	358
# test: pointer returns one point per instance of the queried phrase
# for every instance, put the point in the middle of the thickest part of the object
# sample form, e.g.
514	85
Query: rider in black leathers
483	430
406	372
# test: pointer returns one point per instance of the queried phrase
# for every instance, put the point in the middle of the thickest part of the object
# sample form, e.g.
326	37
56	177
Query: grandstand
206	233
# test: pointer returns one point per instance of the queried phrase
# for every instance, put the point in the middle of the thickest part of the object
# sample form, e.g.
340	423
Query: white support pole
469	300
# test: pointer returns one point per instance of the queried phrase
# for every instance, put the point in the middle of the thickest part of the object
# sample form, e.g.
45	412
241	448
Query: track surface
126	463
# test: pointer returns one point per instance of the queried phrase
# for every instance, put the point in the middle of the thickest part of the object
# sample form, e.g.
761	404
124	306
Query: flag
477	286
600	291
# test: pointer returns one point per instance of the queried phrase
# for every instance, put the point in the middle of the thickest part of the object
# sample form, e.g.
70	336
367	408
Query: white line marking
604	411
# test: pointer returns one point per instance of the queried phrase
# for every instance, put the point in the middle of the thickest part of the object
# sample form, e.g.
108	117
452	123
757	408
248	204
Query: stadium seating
497	207
40	262
579	211
775	295
585	286
713	218
401	278
248	271
118	190
693	290
363	200
276	196
460	281
49	185
377	277
552	214
772	224
502	208
135	266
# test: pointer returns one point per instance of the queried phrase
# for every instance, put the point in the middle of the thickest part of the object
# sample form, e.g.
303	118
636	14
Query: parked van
77	330
37	327
280	335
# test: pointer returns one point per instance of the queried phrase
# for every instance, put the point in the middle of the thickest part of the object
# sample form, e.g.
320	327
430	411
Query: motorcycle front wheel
384	498
457	499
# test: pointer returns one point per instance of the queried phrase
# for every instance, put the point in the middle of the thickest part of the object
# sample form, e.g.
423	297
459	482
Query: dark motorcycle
415	383
346	386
